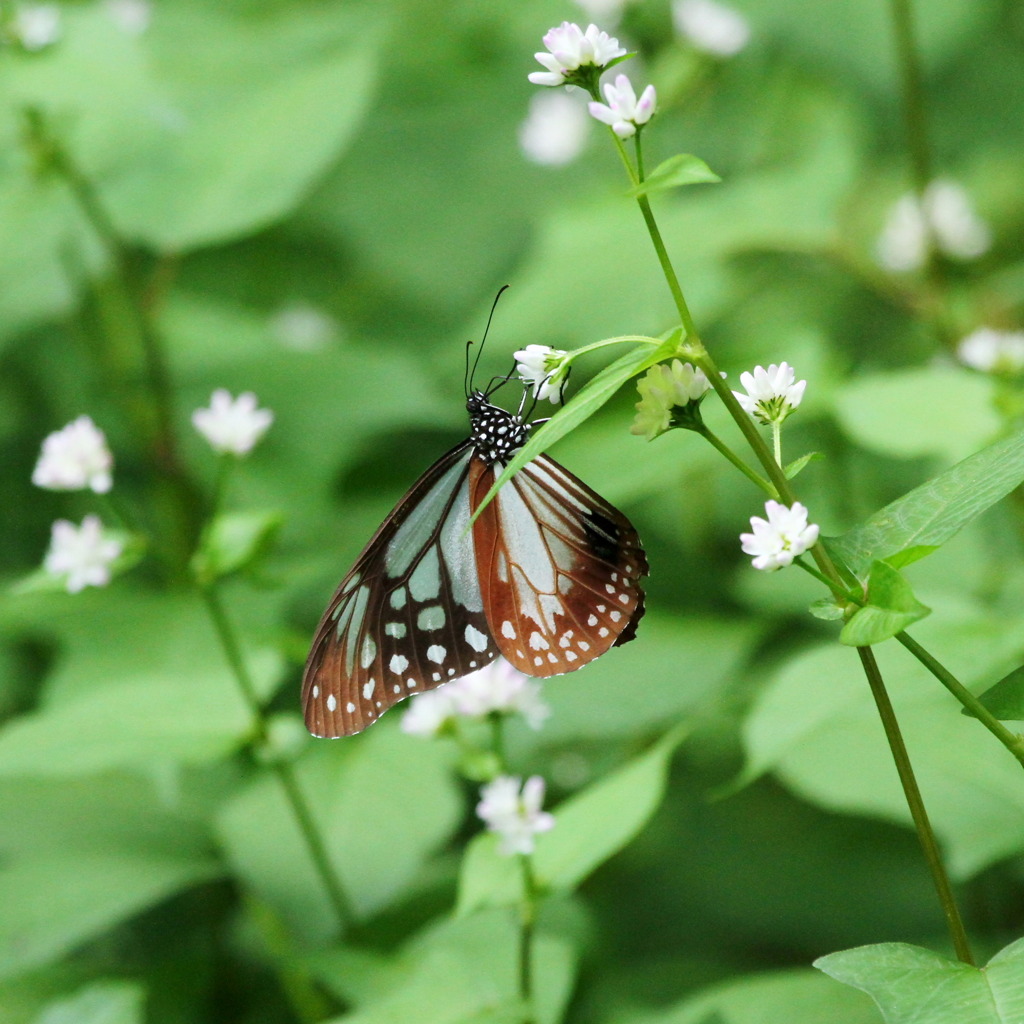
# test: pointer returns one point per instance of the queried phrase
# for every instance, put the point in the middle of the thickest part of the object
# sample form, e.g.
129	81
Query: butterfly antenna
480	350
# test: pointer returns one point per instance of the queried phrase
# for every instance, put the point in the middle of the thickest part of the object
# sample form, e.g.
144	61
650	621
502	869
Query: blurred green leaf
816	727
589	828
1005	699
233	542
798	465
929	410
676	171
54	902
891	607
384	802
910	984
926	517
796	997
105	1002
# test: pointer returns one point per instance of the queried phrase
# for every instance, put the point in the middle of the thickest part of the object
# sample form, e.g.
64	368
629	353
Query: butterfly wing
559	568
408	616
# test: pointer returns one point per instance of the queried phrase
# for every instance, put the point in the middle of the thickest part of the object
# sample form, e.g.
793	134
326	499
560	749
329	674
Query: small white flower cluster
993	351
711	27
777	540
772	394
35	26
511	809
544	368
232	425
945	214
497	687
77	458
575	56
555	129
664	388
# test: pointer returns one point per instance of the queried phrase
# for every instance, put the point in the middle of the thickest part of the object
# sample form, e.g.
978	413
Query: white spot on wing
332	702
398	664
430	618
350	707
316	692
398	598
507	630
425	581
368	689
436	653
369	652
476	639
395	629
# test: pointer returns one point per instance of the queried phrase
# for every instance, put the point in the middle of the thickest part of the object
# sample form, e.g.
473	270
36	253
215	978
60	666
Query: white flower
666	387
771	394
515	816
428	713
74	458
777	540
624	112
232	425
499	687
304	327
711	27
36	26
555	129
570	48
82	554
946	212
131	16
544	368
993	351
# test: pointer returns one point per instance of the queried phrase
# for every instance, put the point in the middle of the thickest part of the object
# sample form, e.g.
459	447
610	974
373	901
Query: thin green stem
527	920
1012	741
777	441
916	804
289	782
717	443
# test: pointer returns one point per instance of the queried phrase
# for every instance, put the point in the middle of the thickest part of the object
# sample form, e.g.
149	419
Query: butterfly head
495	434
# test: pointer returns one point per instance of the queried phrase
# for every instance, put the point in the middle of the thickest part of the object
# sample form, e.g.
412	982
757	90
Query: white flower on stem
428	713
993	351
232	425
544	368
945	213
74	458
711	27
570	48
771	394
777	540
514	814
499	687
555	130
623	111
81	554
664	388
36	26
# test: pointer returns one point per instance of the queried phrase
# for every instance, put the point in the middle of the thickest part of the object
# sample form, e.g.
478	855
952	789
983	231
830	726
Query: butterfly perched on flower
548	576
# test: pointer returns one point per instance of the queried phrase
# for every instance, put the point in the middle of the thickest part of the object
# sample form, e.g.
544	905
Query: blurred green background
318	202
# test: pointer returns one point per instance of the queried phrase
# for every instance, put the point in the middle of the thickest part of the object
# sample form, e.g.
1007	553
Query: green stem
722	447
527	920
1013	742
777	440
916	805
289	782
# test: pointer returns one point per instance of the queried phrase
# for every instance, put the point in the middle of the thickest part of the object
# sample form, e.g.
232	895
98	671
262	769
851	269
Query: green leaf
1004	699
929	515
45	917
105	1002
815	726
598	390
676	171
796	997
891	607
589	828
912	985
384	802
797	465
233	542
825	608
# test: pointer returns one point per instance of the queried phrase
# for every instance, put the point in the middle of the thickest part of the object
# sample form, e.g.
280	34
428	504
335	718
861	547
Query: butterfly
548	576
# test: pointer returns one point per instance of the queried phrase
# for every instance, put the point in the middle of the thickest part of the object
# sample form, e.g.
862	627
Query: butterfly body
547	576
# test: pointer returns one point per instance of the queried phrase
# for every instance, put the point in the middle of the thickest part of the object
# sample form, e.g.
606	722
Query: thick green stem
912	794
289	782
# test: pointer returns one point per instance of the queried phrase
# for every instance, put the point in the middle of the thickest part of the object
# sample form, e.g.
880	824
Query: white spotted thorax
495	433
